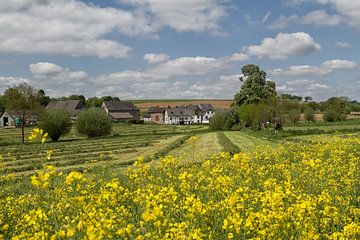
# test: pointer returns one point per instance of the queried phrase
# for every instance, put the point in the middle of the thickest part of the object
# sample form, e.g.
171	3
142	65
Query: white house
189	114
179	115
206	112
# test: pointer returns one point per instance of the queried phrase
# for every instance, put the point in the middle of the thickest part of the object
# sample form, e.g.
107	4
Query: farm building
187	114
179	115
73	107
157	114
121	110
9	120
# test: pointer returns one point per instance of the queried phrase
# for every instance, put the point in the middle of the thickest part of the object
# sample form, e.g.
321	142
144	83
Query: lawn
246	142
198	148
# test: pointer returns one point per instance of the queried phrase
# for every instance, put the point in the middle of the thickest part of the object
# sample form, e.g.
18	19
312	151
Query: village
125	111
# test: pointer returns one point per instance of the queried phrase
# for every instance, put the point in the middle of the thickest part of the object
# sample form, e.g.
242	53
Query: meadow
180	182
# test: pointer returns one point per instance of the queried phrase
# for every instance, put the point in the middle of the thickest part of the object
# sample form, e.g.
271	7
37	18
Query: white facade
177	119
206	116
171	118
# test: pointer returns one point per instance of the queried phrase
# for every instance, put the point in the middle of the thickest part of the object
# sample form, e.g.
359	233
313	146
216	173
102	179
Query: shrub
93	122
221	121
294	116
56	123
309	115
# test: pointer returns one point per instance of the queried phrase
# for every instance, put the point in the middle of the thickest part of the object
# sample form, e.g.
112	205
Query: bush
309	115
221	121
331	115
56	123
93	122
294	116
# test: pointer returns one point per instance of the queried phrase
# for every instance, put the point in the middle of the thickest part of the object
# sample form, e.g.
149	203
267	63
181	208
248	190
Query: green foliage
335	109
93	122
255	88
294	116
24	102
309	115
56	123
222	121
255	115
2	104
44	99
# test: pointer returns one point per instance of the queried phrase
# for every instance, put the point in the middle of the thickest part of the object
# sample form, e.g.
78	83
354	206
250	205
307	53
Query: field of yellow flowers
298	191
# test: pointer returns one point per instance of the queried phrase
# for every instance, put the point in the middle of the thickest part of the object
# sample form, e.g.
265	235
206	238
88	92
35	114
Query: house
9	120
147	117
179	115
157	114
121	110
206	112
73	107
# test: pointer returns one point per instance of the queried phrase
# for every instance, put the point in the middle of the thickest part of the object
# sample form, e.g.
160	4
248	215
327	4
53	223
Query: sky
188	49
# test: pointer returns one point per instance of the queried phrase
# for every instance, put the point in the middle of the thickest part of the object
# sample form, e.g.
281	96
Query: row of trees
257	105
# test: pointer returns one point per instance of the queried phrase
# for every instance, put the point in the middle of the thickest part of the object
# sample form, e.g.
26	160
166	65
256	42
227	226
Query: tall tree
44	99
24	102
255	88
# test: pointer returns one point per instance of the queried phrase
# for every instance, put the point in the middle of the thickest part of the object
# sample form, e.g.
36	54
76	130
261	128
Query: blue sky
138	49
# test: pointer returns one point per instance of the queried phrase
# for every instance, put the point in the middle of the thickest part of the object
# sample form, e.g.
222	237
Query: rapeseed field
308	190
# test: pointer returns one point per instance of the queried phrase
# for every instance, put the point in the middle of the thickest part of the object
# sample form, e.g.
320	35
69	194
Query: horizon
188	50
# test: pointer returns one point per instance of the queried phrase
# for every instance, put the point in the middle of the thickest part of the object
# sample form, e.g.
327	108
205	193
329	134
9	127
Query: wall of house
10	121
157	118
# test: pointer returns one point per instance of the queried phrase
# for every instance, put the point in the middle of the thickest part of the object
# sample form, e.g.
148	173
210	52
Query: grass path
206	145
244	141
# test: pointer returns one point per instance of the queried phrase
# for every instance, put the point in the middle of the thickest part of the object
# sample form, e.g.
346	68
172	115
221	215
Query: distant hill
144	105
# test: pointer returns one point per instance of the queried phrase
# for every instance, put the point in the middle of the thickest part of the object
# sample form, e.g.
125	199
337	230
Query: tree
255	88
309	115
24	102
56	123
335	109
2	104
93	102
78	97
93	122
44	99
308	99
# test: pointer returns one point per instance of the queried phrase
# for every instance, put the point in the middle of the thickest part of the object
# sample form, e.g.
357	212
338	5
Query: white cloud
77	28
185	15
321	18
239	57
52	73
266	17
6	82
350	9
156	58
325	68
339	64
302	87
284	45
343	45
316	18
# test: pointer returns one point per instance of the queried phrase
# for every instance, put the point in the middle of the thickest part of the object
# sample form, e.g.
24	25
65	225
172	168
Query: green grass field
126	144
129	142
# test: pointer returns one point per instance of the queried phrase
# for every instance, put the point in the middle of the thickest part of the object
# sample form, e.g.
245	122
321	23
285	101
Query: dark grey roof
121	115
71	106
120	106
156	109
206	107
180	111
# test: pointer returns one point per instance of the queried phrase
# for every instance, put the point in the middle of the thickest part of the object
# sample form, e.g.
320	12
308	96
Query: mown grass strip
228	145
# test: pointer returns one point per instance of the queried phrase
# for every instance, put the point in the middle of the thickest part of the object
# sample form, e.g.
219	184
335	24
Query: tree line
258	106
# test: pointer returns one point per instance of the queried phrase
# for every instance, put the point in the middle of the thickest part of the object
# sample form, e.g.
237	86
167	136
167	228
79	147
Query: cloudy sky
137	49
